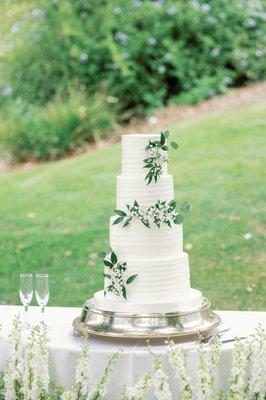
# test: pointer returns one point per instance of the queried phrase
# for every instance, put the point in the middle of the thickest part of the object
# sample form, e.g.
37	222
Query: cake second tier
140	242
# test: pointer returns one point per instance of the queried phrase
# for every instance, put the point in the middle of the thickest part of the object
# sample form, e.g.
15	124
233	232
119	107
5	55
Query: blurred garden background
74	75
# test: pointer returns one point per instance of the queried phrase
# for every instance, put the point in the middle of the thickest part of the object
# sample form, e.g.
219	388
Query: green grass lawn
54	218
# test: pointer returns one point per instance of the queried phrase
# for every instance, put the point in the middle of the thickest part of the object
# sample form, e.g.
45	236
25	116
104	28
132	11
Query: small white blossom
15	28
121	37
68	395
7	91
215	53
247	236
152	41
258	53
153	120
84	57
206	8
161	69
117	10
139	390
171	10
252	22
38	12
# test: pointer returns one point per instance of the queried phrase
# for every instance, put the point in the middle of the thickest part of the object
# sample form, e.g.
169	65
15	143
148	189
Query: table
65	348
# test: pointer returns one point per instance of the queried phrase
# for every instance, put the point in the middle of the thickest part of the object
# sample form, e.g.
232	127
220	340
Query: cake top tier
134	153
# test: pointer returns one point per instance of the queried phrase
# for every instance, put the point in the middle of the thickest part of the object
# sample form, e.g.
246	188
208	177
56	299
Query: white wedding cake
146	270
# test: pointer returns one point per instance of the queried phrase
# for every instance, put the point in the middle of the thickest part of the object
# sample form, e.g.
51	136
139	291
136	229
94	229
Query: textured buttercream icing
154	254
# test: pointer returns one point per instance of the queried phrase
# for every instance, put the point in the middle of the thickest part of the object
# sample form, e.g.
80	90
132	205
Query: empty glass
26	293
42	292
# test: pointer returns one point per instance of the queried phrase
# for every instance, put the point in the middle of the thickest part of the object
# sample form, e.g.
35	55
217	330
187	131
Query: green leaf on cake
185	207
107	276
166	134
127	222
121	213
102	254
113	257
124	292
178	219
165	148
172	204
117	220
131	279
174	145
108	263
162	141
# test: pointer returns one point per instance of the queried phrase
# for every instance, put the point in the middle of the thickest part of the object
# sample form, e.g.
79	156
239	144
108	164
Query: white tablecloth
134	360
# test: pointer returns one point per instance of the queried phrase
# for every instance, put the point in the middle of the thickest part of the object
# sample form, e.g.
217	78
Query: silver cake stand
186	325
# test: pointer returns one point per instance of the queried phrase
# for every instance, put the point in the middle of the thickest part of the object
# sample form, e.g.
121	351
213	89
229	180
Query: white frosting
133	154
166	280
142	243
192	301
131	187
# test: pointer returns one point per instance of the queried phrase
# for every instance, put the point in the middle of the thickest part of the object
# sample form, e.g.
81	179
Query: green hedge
146	53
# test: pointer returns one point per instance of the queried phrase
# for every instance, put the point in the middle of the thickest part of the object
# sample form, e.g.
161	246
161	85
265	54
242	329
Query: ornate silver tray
187	324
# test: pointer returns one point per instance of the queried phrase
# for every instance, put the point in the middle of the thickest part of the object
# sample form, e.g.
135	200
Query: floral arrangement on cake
159	213
115	273
26	374
156	157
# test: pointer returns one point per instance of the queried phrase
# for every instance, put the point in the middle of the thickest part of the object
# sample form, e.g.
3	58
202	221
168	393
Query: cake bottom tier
192	301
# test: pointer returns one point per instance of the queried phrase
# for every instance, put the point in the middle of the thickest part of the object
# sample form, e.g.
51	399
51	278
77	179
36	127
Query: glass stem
26	320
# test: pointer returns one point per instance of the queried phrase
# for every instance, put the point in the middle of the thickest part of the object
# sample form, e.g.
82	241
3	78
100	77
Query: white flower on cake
115	275
156	153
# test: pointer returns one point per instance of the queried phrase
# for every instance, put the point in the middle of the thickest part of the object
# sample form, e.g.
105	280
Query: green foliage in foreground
55	218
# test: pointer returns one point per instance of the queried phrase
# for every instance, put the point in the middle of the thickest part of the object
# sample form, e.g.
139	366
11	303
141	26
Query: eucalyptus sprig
117	280
159	213
157	157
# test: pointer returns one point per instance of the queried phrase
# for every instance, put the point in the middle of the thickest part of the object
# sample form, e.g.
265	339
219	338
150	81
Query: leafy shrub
146	52
48	132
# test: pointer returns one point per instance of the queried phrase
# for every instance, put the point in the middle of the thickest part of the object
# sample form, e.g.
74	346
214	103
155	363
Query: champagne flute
42	293
25	294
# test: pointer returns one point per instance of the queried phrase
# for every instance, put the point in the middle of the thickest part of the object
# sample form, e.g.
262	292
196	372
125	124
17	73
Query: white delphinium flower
208	361
178	360
68	395
139	390
12	375
241	353
257	385
30	387
159	380
42	360
100	390
82	372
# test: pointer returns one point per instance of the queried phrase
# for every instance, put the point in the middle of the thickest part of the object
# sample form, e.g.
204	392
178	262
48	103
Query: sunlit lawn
54	218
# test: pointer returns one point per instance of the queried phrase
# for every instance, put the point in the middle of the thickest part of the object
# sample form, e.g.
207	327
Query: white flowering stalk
13	372
159	379
82	373
35	378
178	360
68	395
208	361
99	391
257	385
238	385
139	390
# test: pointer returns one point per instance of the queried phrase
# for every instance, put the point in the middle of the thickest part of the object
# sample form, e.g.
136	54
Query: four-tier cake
146	270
